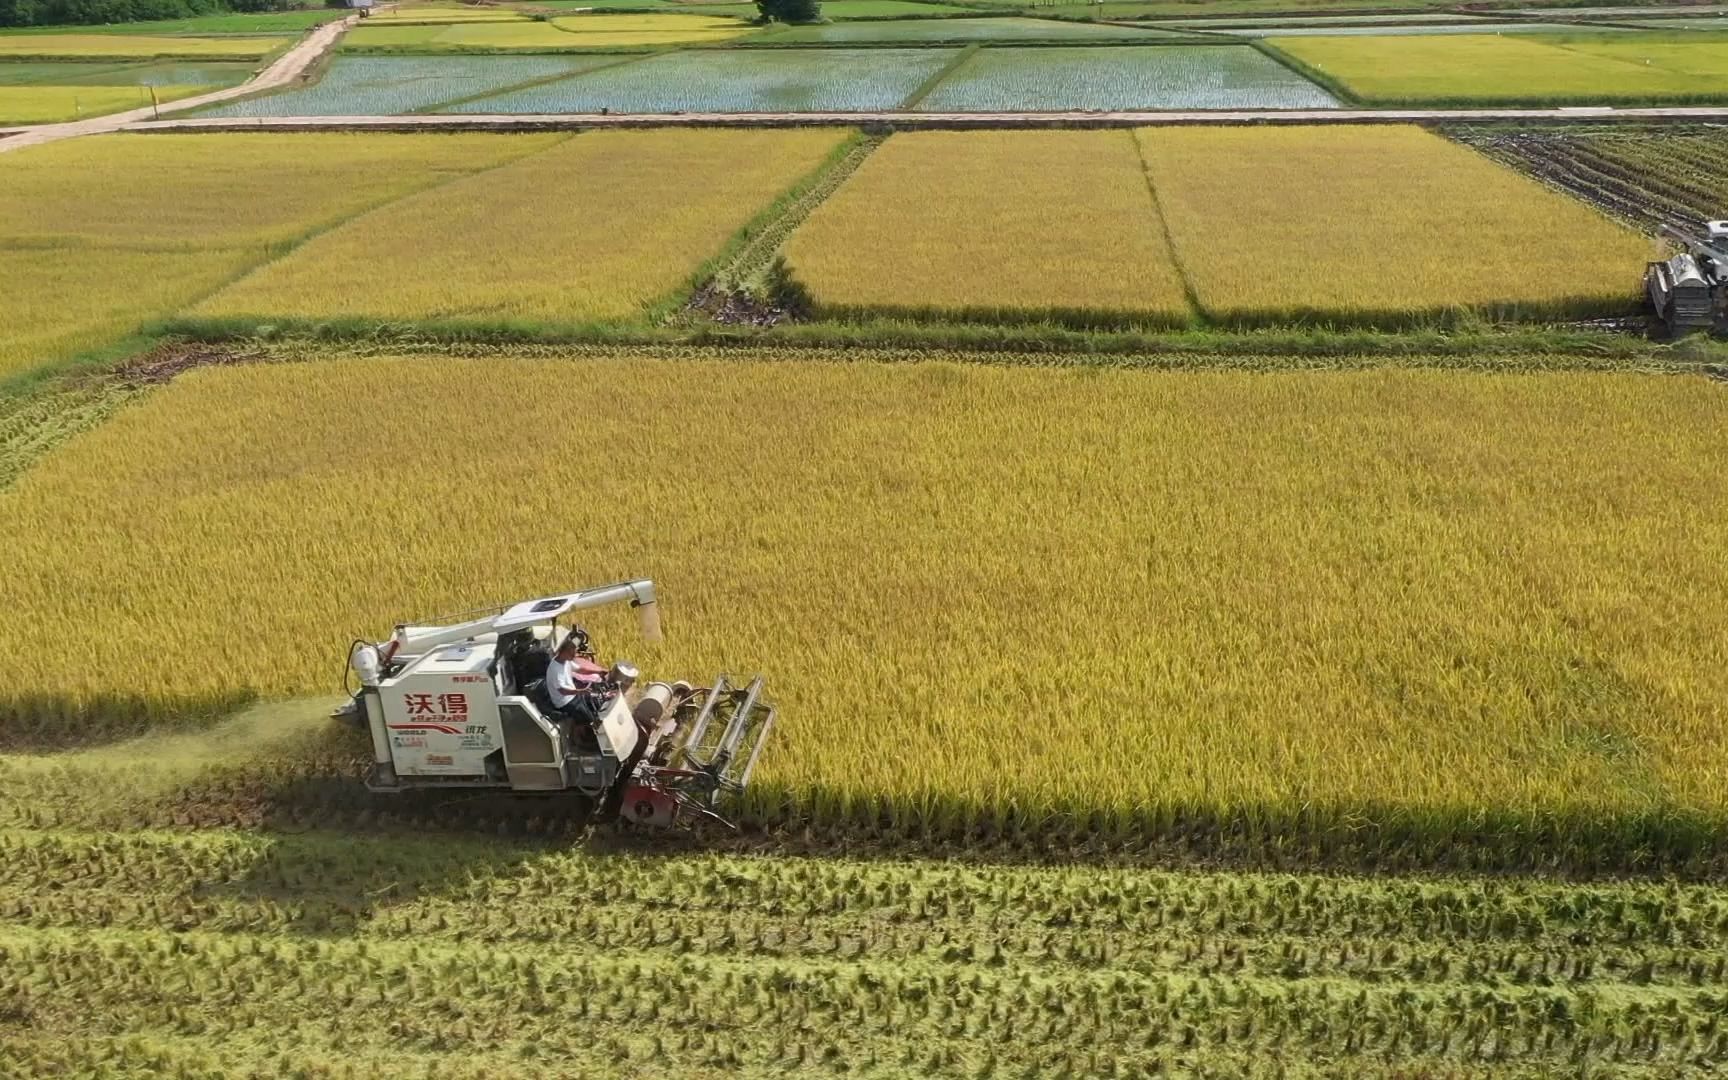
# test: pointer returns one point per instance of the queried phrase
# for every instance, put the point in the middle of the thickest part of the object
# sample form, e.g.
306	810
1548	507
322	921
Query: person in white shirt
569	680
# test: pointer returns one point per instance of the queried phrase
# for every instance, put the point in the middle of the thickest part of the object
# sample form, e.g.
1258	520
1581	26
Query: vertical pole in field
155	104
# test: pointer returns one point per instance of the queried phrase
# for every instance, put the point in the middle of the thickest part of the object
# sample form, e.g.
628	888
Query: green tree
790	11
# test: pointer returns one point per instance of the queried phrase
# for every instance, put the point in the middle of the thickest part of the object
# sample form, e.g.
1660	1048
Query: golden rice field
53	104
1279	223
1349	224
1515	69
80	46
102	234
1390	597
601	227
993	224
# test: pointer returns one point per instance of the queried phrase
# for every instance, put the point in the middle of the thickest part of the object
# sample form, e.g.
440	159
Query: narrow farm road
288	67
906	121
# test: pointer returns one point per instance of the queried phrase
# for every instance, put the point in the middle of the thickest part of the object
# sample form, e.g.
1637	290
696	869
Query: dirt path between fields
904	121
287	67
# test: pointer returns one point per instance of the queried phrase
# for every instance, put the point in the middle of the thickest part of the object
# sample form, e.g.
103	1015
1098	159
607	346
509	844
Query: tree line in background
93	12
786	11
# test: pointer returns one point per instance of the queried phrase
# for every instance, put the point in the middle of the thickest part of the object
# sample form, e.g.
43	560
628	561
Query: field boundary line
747	261
1303	71
928	86
1196	309
547	80
940	121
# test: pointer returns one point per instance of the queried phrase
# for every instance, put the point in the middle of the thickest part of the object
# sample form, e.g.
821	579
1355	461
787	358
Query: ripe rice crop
98	235
1484	69
196	192
609	222
138	45
727	80
428	13
981	595
94	73
951	224
1378	224
521	34
1111	77
57	303
50	104
391	85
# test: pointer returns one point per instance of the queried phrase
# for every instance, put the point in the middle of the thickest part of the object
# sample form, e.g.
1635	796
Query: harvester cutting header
512	698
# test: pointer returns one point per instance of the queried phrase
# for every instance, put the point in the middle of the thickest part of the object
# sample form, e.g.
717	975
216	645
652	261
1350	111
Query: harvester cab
1689	291
460	703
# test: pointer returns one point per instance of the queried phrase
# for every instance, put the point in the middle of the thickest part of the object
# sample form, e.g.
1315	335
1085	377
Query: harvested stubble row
598	228
99	235
996	225
1403	602
291	954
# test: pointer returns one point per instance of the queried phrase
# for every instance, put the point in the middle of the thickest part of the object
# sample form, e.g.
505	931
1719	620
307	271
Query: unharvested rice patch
1373	223
998	224
596	229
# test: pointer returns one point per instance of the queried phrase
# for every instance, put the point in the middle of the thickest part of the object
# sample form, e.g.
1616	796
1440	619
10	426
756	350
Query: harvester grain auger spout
511	697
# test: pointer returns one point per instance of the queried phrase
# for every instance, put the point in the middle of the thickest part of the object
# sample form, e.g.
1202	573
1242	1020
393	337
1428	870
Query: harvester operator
570	684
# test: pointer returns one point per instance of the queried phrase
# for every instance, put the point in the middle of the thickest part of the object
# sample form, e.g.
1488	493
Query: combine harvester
1689	292
462	705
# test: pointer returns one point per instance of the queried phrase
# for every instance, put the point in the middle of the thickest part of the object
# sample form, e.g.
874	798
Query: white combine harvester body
462	705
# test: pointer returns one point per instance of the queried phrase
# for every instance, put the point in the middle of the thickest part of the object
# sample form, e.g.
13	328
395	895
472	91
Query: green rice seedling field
1485	69
781	80
943	30
993	225
671	200
1112	77
389	85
